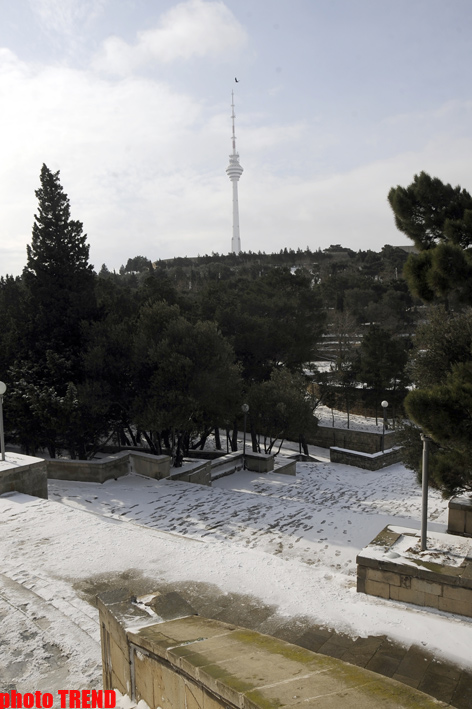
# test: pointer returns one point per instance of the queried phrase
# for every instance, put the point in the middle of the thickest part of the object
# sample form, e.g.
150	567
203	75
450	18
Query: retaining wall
115	466
198	663
366	461
24	474
365	441
199	473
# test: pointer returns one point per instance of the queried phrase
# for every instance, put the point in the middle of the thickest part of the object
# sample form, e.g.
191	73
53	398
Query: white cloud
197	28
63	16
144	167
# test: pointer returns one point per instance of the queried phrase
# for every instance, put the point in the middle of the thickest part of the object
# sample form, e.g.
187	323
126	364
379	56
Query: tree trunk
217	439
234	437
304	445
165	436
133	439
255	442
148	440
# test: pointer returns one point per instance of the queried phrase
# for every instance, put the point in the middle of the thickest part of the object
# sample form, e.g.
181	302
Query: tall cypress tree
58	275
47	407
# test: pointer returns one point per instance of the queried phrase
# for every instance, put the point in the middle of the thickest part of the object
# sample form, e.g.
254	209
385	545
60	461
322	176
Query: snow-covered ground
289	541
338	419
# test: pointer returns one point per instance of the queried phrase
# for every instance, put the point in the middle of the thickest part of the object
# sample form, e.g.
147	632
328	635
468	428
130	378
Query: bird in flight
236	80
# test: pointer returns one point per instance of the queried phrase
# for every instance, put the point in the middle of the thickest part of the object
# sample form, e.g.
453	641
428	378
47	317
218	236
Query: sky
337	101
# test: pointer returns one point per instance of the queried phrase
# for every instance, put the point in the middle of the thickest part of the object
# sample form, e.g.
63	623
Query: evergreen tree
382	363
438	218
58	276
444	411
44	406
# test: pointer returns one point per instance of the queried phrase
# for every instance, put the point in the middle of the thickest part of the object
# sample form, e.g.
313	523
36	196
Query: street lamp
384	405
424	485
3	388
244	409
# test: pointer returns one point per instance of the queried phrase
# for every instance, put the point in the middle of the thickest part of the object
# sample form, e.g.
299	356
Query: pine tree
58	276
46	404
438	218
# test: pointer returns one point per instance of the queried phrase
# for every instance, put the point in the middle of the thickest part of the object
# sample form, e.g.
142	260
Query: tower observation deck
234	172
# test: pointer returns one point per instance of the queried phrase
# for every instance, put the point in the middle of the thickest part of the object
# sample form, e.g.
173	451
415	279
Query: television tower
234	172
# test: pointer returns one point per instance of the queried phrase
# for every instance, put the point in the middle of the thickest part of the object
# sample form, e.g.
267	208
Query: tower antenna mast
234	172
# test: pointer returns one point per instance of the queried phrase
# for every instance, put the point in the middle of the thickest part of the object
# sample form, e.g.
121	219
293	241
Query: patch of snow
440	548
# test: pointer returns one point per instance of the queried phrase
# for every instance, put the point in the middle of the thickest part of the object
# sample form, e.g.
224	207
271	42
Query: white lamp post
3	388
384	405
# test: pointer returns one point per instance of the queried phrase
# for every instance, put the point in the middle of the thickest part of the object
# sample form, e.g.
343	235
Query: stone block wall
259	462
365	441
460	516
25	474
112	467
435	586
198	473
94	471
193	662
151	466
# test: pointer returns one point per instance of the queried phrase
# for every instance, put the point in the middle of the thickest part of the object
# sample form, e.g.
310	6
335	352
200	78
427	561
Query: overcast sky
337	101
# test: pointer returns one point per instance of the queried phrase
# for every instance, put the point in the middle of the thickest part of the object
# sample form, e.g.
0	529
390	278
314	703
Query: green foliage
382	360
444	411
430	212
138	264
444	340
438	218
44	406
185	378
275	321
58	276
281	408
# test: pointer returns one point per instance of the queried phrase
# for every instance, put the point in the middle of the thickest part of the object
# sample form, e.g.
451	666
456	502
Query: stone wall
191	662
112	467
387	575
151	466
93	471
460	516
366	461
259	462
365	441
22	473
196	472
